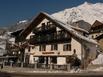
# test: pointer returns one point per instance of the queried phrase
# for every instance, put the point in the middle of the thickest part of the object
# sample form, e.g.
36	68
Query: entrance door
54	59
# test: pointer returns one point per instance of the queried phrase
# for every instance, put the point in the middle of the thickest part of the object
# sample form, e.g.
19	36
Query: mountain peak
23	21
87	3
88	12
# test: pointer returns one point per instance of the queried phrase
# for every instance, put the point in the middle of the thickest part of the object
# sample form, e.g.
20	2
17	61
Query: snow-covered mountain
23	21
87	11
19	25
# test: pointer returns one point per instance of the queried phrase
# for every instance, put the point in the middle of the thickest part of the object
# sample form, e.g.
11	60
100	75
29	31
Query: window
84	34
31	36
48	37
53	59
38	38
67	47
54	47
43	26
19	52
41	59
29	49
92	36
42	48
13	53
33	47
66	35
55	36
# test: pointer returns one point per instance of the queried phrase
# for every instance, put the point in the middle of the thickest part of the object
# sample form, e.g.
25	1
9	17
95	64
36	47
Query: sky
12	11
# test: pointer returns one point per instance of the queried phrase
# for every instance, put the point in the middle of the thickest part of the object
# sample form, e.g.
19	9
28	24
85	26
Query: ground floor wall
60	53
48	60
59	56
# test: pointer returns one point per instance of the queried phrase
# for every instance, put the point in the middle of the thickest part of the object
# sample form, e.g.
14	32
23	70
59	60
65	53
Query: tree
17	48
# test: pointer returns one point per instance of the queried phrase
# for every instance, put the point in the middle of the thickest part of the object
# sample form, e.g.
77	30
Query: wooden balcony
58	37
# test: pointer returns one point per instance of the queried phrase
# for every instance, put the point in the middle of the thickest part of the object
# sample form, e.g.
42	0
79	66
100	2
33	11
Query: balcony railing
50	38
40	66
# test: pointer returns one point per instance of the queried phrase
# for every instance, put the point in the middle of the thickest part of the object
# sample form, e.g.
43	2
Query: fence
94	66
38	66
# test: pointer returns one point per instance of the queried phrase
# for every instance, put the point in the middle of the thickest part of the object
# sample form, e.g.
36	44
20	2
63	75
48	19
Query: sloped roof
79	29
97	23
96	27
82	25
60	24
17	32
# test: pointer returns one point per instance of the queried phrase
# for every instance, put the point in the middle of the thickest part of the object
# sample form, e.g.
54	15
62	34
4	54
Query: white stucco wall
94	35
74	45
61	60
44	21
92	51
28	37
48	48
77	46
31	59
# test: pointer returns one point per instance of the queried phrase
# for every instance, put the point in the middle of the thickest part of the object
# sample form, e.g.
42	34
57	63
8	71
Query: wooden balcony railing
50	38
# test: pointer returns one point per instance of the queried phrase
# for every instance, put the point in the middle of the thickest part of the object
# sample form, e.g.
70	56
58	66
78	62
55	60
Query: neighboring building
52	41
3	39
99	39
82	24
96	32
96	29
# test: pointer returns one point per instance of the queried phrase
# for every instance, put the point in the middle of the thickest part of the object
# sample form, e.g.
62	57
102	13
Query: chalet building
96	32
96	29
99	39
52	41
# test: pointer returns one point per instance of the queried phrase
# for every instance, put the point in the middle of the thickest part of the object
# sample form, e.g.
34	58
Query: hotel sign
44	53
47	52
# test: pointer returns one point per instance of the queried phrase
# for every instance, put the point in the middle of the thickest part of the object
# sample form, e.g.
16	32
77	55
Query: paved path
4	74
